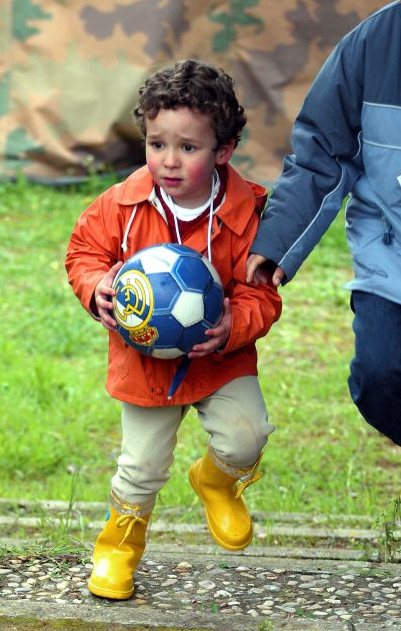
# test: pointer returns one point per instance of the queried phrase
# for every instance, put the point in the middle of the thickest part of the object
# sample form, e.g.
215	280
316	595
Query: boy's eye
156	144
188	148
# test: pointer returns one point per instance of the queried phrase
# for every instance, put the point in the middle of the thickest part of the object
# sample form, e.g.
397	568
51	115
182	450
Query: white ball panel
167	353
188	309
158	260
212	270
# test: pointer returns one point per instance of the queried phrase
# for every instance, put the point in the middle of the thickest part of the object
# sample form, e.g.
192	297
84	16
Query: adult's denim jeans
375	379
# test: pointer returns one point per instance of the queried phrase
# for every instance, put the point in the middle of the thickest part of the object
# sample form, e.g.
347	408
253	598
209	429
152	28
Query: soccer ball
166	297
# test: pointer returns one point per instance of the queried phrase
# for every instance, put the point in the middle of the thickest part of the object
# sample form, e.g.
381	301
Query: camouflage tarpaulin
70	72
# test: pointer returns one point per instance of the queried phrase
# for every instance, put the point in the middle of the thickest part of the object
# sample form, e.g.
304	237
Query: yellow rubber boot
221	493
118	550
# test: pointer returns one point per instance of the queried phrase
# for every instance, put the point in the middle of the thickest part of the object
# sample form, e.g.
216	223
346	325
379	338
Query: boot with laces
220	488
118	550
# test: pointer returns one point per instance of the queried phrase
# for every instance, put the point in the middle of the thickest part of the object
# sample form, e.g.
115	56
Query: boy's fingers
109	278
218	330
107	321
205	349
113	270
104	305
106	289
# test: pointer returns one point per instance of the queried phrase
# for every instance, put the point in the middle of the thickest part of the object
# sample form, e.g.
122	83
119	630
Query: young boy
187	192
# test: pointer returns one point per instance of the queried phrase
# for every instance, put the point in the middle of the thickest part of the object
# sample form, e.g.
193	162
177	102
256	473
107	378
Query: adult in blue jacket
347	140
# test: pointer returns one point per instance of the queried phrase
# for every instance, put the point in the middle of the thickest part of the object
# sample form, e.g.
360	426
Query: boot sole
106	593
221	542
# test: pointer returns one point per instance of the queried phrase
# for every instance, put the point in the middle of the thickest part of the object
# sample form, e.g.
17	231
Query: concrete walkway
332	582
177	588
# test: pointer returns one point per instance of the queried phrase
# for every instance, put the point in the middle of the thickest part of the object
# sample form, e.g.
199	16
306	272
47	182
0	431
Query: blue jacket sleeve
324	166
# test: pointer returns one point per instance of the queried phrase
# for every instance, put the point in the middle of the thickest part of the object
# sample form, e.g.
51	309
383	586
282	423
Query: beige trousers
234	416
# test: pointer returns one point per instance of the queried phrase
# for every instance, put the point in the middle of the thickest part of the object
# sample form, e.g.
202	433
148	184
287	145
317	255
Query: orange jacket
95	246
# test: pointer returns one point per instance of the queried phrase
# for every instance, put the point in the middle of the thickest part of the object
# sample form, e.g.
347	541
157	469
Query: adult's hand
255	275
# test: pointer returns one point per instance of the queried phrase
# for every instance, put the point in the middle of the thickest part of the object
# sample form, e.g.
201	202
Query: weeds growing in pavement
389	544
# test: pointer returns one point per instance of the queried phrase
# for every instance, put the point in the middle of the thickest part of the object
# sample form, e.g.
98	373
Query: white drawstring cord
210	223
124	246
177	230
215	182
209	227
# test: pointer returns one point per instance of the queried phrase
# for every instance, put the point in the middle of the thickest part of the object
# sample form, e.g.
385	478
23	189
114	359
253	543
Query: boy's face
181	153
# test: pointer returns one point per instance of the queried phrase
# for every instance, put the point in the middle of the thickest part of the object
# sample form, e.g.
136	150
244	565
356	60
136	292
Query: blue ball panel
168	329
183	250
192	335
192	274
165	291
134	262
213	304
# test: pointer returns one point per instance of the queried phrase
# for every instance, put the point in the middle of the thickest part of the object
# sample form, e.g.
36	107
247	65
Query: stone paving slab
272	552
33	616
21	614
12	505
27	516
296	552
160	526
225	592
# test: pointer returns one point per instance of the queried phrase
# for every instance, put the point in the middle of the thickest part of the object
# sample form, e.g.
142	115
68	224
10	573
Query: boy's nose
171	158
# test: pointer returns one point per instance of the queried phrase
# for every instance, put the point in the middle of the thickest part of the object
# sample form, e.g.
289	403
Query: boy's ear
224	152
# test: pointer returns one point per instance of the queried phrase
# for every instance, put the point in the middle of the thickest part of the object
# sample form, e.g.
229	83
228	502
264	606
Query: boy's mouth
172	181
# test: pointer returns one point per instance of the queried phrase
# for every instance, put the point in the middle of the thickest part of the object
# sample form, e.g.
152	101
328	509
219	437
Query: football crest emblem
133	302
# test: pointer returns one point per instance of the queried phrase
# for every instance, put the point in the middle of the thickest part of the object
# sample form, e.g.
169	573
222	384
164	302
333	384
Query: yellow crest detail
133	302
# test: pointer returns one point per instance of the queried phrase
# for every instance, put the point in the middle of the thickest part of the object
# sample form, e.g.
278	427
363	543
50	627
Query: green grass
56	418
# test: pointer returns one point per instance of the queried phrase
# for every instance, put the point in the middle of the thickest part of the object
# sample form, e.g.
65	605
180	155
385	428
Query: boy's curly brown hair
196	85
